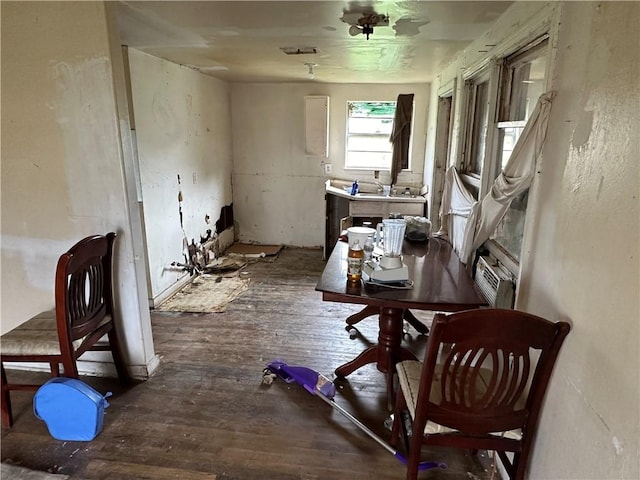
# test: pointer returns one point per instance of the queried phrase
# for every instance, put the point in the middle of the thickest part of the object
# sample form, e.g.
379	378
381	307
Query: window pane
528	85
478	128
369	125
523	83
369	143
509	138
509	232
372	109
368	160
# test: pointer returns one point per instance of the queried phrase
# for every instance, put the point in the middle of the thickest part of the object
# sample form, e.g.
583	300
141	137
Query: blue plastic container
71	409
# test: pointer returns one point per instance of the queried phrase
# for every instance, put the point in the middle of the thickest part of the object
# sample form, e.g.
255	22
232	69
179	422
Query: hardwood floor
206	414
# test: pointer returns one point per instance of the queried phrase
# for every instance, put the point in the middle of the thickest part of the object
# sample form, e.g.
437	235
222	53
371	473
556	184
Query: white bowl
360	234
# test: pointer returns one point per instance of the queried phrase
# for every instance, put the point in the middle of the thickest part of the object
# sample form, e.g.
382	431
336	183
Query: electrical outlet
327	168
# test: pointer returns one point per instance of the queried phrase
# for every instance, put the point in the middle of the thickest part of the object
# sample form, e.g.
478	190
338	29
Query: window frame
499	76
445	139
479	184
387	167
538	48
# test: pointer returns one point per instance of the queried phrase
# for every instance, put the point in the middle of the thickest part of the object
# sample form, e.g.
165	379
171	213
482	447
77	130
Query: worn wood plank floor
205	413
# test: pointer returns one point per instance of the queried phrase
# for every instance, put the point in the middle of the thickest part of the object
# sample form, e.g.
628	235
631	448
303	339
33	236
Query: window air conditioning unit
494	283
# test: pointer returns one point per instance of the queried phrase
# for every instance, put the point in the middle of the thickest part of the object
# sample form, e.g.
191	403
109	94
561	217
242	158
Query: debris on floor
207	294
247	250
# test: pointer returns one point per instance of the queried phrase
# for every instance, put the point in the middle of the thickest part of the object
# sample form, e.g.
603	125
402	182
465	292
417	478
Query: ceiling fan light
354	30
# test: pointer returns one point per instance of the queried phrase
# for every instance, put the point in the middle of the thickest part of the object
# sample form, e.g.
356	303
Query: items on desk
390	267
368	248
355	258
418	228
377	286
359	233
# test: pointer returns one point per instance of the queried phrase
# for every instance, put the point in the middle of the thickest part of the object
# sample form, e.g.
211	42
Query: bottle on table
368	248
355	258
354	187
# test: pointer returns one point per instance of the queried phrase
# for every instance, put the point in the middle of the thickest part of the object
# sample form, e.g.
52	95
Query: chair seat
37	336
409	377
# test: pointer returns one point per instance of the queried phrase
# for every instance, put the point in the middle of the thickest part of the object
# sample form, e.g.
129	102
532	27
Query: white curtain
514	179
455	208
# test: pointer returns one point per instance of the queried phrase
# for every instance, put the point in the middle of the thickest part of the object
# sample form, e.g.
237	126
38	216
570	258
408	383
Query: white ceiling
241	41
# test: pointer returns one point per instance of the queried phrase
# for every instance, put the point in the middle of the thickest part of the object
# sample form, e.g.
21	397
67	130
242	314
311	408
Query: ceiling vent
299	50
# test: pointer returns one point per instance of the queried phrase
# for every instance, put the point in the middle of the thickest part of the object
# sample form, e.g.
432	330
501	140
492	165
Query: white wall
278	192
62	174
582	242
584	246
183	128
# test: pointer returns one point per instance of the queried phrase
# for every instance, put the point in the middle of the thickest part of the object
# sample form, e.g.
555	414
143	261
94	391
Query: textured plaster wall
583	264
278	192
582	244
61	159
183	128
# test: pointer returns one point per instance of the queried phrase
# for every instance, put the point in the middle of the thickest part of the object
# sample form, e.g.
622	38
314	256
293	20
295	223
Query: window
498	102
478	128
474	152
522	82
369	126
444	136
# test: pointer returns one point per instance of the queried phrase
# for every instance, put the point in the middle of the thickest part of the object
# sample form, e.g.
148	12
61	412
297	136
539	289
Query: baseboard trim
172	290
94	368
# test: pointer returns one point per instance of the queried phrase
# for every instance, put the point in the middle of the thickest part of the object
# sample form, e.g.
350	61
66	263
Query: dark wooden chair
481	385
83	314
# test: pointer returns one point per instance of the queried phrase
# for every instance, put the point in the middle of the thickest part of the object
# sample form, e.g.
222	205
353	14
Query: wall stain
582	132
600	185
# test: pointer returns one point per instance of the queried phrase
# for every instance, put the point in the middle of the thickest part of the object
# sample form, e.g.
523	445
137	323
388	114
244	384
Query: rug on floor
207	294
250	250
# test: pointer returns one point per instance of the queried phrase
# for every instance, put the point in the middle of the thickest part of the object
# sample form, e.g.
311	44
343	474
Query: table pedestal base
386	353
370	310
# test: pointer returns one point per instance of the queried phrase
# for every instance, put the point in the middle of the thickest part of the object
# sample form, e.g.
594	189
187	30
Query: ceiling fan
364	23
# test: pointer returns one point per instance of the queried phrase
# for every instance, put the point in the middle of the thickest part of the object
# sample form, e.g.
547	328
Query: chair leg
520	464
397	419
70	367
414	457
7	414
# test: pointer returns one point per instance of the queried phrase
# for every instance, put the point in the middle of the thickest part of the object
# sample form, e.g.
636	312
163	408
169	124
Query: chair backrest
487	370
83	288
